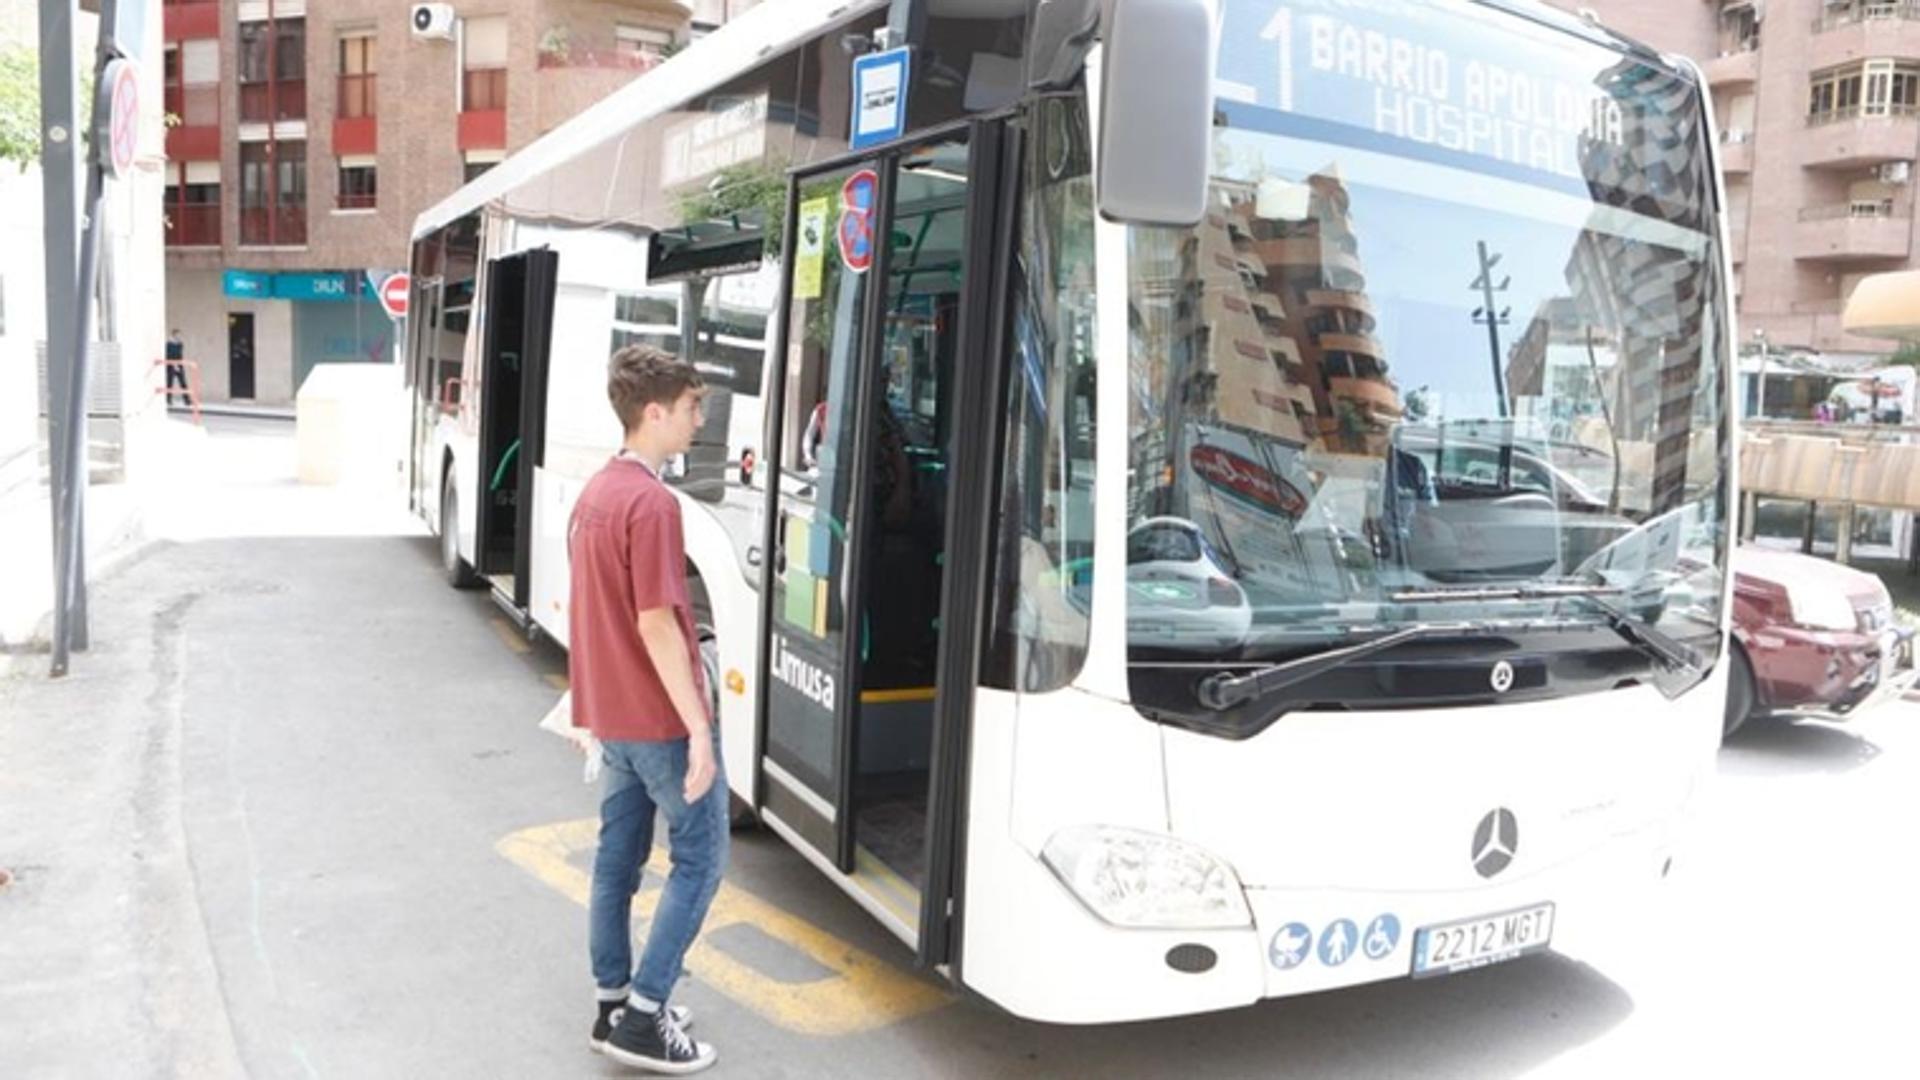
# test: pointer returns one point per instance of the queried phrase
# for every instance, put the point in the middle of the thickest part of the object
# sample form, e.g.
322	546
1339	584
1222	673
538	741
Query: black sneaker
656	1042
609	1018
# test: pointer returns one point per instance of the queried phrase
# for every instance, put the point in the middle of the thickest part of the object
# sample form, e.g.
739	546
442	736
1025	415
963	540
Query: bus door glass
860	516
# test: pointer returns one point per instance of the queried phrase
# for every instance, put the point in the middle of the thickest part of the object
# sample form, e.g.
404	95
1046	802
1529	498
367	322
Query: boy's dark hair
641	375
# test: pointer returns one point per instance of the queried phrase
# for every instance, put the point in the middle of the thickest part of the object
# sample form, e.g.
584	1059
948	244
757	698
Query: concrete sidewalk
115	524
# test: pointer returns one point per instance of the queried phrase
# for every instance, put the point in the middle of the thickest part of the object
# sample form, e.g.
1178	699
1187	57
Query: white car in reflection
1180	592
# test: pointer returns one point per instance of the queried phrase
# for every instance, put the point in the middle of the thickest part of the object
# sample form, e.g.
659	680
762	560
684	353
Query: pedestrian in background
176	368
638	685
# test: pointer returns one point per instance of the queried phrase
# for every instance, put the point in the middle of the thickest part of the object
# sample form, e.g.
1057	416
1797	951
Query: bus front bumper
1320	939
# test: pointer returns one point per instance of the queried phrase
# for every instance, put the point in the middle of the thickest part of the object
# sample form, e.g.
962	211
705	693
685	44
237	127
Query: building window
1739	28
193	204
642	41
356	75
1870	88
273	193
273	70
485	83
358	184
473	170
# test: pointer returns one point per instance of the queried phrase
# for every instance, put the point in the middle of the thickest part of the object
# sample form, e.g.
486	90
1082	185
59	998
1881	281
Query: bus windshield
1449	342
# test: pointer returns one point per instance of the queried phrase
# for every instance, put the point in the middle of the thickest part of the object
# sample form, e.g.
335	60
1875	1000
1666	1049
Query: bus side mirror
1156	111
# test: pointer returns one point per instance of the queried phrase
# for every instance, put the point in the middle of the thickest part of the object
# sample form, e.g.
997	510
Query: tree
19	106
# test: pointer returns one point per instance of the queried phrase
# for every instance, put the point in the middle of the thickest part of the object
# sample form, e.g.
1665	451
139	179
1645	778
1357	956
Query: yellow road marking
514	640
864	993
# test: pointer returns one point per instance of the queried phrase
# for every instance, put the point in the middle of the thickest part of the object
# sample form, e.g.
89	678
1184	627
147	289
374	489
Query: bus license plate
1489	939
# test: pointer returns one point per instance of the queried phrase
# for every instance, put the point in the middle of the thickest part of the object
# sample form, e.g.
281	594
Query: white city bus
1202	500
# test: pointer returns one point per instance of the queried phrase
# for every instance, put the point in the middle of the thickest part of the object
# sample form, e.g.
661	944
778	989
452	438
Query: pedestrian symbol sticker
1290	946
1336	942
1383	933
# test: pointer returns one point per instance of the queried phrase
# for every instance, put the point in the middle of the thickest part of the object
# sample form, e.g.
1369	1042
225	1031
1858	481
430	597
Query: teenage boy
637	685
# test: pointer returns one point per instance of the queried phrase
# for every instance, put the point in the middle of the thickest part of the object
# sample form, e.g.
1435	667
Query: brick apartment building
309	135
1819	109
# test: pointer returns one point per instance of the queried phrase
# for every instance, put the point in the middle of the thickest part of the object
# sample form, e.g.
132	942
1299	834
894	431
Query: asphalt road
293	818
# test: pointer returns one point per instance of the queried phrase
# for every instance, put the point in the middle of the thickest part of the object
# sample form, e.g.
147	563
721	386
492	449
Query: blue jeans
642	777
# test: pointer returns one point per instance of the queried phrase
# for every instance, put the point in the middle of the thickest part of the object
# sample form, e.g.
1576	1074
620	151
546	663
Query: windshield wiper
1665	649
1222	691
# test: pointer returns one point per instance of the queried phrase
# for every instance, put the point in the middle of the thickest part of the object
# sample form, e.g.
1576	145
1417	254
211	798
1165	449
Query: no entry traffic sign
393	294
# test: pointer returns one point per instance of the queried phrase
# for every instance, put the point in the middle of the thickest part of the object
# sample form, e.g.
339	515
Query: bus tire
1742	694
459	574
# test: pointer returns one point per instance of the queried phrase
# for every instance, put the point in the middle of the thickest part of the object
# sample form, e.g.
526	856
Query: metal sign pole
70	294
59	168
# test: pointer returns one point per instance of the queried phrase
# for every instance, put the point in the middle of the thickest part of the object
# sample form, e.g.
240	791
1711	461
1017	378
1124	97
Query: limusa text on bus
802	675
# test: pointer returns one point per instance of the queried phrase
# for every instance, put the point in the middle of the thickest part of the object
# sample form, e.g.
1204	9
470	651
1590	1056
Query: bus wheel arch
740	812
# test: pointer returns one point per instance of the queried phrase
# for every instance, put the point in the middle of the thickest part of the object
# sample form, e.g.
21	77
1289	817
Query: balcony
598	54
267	102
482	130
279	226
356	135
191	21
1736	152
1268	306
1738	67
1309	252
1342	299
1866	31
1866	231
1852	138
1354	344
193	225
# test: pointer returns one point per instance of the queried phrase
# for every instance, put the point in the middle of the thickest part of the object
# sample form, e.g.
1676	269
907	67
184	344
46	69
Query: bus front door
883	424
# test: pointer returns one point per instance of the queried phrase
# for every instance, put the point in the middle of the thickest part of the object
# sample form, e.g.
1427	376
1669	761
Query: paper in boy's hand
559	720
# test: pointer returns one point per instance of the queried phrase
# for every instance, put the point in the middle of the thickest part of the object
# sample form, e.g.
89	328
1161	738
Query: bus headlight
1141	879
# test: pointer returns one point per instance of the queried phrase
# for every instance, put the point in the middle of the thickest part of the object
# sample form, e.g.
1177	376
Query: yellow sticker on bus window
810	249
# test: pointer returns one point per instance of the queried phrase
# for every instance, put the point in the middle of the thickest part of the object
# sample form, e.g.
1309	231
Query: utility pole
1493	320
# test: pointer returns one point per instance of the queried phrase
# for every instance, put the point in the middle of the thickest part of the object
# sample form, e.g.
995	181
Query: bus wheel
459	574
1741	694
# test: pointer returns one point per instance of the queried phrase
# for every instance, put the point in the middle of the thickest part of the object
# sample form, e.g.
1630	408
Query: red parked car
1813	638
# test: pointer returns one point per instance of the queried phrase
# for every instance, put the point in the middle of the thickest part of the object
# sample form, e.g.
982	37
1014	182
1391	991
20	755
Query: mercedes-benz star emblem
1495	842
1502	677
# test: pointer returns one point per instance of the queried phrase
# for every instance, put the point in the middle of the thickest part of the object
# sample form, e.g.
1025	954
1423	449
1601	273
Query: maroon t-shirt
627	556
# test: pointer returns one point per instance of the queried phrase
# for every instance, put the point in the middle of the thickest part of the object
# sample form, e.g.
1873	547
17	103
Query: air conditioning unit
432	21
1896	172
